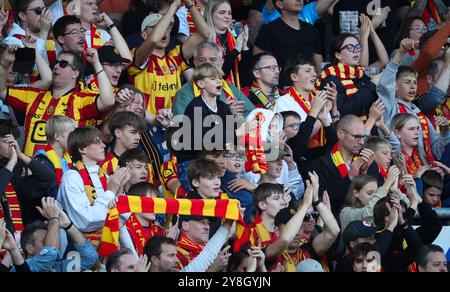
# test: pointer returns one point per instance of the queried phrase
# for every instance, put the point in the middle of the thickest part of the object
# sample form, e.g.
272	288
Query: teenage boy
139	165
85	192
269	201
382	150
19	189
397	89
432	186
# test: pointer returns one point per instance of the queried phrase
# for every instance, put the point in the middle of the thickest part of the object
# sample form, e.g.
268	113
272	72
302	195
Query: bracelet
53	218
111	26
69	226
96	74
316	203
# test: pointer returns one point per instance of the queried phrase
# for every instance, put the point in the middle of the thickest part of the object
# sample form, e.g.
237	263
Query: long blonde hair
210	9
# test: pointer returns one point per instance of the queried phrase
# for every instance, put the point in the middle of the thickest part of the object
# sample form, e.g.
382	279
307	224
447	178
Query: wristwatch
111	26
316	203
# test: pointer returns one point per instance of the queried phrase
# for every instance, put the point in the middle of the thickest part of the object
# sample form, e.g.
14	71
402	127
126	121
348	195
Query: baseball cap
110	54
151	20
309	266
357	229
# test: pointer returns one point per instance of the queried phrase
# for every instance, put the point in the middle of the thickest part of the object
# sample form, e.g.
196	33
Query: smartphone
25	60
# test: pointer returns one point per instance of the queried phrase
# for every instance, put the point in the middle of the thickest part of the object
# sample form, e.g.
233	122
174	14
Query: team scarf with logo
339	162
255	157
55	160
227	209
231	42
140	235
91	194
226	90
413	162
96	38
262	100
425	132
187	250
14	208
319	139
346	75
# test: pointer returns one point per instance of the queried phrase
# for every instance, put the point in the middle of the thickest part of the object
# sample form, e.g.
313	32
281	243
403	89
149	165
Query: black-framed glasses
37	10
293	126
63	64
357	137
272	68
353	48
311	216
420	28
76	32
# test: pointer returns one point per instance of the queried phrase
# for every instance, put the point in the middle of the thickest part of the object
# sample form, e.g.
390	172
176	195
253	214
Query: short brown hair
142	189
432	179
121	119
133	154
264	191
201	168
80	138
374	143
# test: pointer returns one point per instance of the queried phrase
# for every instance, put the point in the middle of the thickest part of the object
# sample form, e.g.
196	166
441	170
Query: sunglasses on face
353	48
63	64
311	216
37	10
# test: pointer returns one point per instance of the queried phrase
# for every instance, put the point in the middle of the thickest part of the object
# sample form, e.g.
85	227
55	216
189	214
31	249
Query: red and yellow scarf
225	87
443	110
319	139
228	209
14	208
263	101
255	157
140	235
234	75
346	75
55	160
96	38
253	233
339	162
91	194
413	162
425	132
187	250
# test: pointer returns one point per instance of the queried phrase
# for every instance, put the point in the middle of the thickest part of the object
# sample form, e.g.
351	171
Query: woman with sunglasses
356	92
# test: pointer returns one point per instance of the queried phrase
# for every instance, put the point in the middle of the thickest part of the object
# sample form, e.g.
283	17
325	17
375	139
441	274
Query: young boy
269	201
56	153
433	185
397	89
383	153
18	189
85	193
204	177
139	164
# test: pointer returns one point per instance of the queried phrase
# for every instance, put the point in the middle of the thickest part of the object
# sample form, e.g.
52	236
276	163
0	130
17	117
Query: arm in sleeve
44	261
431	224
209	253
434	98
402	197
228	64
295	182
386	87
73	197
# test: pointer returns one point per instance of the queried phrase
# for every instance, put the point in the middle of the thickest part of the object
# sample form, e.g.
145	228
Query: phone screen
25	60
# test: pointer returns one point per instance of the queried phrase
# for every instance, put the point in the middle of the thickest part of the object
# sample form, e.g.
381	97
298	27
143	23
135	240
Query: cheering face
212	85
349	55
167	261
89	10
113	71
366	193
432	196
383	156
73	39
128	136
64	72
222	17
409	133
305	77
235	163
208	187
436	263
407	87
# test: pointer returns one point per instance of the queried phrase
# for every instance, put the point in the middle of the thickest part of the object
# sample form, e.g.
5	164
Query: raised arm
364	33
106	99
383	57
119	41
322	6
202	31
44	70
444	79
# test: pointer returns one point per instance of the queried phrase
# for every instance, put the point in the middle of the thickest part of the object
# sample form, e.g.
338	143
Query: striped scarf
339	162
226	89
346	75
96	39
91	194
228	209
319	139
140	235
253	234
231	43
255	158
55	160
187	250
262	100
425	132
14	208
443	110
413	162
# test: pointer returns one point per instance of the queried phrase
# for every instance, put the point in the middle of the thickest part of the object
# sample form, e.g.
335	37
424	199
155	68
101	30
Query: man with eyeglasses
264	91
346	161
209	52
60	99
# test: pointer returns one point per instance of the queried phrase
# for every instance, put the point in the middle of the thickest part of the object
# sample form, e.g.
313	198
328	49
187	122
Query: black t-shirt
285	42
